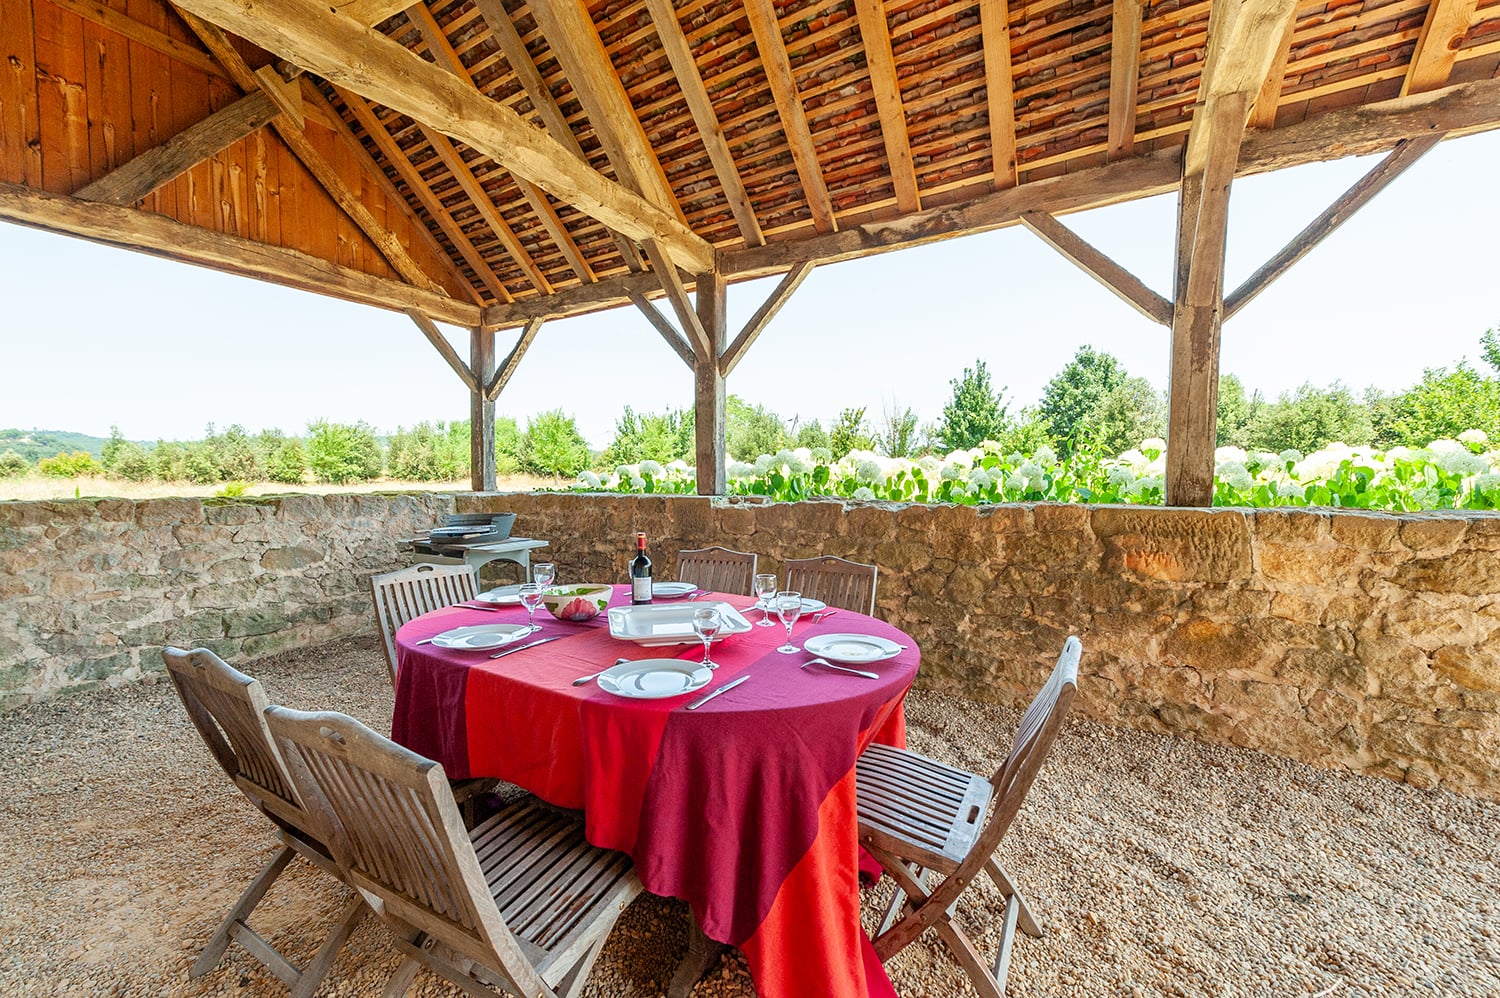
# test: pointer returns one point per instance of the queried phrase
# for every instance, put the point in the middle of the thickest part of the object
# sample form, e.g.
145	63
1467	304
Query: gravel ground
1157	866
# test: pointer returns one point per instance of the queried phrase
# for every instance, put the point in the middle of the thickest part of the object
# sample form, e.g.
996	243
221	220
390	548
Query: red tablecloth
745	807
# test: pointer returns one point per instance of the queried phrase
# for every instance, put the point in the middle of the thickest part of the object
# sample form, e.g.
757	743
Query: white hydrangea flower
1226	455
869	470
1045	456
1134	458
1154	444
1031	471
652	468
1015	483
930	465
1291	490
1265	458
588	479
1290	456
637	482
1235	475
1478	437
739	469
1121	477
626	471
1460	462
803	454
1483	484
960	457
679	466
1445	446
1400	454
822	455
979	479
783	458
763	464
1146	484
953	472
863	493
610	481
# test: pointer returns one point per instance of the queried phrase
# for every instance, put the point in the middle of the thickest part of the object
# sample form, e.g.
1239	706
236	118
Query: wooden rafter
1437	47
393	154
667	331
1124	75
123	24
444	348
328	178
443	53
1000	90
778	68
685	69
1371	184
372	12
735	351
507	367
875	32
575	42
671	284
1100	267
158	165
327	43
161	236
1263	115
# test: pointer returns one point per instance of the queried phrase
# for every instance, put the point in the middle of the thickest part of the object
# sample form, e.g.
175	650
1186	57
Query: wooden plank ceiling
750	132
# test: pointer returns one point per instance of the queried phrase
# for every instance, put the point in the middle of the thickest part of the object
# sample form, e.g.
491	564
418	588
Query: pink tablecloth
745	807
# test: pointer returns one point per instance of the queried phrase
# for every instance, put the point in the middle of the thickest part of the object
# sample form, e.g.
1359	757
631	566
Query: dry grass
32	488
1158	866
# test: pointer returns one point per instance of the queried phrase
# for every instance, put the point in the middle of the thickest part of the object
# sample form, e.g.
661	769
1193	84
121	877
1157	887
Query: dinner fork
592	676
852	672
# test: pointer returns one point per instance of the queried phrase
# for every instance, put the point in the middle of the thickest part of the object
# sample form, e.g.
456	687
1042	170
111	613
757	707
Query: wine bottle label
640	590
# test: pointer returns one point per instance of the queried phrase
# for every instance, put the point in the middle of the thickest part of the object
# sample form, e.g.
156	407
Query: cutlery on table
823	613
722	689
595	675
530	644
852	672
476	606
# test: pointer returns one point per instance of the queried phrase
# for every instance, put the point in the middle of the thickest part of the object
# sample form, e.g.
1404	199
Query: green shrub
199	465
427	453
75	465
554	446
287	464
131	462
13	465
342	453
169	461
234	489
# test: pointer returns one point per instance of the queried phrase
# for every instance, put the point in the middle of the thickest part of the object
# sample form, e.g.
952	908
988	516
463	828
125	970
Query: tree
1490	342
554	446
812	435
898	433
342	453
849	433
1070	403
427	453
288	463
1130	412
751	431
975	412
1310	418
1236	412
662	437
110	452
13	465
1442	405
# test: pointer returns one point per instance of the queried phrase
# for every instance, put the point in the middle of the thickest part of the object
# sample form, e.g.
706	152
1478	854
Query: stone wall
91	589
1359	640
1364	641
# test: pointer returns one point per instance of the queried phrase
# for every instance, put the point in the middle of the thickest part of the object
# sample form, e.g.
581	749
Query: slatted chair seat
919	816
227	707
521	903
718	570
838	582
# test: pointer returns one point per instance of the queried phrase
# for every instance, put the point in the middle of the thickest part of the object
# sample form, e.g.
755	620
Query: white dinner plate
481	636
851	649
654	678
672	590
503	596
812	605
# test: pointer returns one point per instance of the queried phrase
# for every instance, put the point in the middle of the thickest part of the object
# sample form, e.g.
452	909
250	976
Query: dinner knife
530	644
722	689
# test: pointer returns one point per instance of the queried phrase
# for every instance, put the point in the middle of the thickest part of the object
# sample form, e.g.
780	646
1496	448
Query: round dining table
744	807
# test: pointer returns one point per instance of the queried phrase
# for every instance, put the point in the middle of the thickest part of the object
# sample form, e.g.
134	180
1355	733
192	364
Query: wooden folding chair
718	570
522	902
227	708
918	815
410	592
837	582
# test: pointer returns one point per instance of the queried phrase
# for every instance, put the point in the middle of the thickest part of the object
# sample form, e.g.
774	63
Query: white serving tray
654	626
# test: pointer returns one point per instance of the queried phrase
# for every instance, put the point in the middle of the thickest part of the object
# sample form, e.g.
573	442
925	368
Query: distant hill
36	444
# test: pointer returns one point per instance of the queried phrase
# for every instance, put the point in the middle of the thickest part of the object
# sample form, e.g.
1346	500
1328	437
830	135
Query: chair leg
313	974
893	910
968	958
1007	936
214	951
1028	922
402	978
572	982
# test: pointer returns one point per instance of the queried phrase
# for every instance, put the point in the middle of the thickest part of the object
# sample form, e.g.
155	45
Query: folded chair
410	592
718	570
227	708
521	903
837	582
918	815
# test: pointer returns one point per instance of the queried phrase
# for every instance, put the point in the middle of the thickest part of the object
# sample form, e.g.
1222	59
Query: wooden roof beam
778	68
1124	75
123	24
1263	115
333	46
685	69
880	60
1100	267
443	347
735	351
1000	98
442	51
1401	158
518	57
393	154
161	236
676	293
667	331
512	360
1448	21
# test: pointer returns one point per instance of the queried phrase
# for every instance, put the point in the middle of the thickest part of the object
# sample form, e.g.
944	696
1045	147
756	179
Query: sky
95	336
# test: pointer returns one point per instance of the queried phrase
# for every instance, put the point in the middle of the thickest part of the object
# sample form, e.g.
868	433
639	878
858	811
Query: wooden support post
481	411
1193	381
708	388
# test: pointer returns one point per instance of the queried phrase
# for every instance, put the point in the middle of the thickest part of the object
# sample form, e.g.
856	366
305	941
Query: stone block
1431	535
234	514
116	510
168	512
291	558
1471	573
301	509
1471	667
1175	545
267	620
1213	646
1365	531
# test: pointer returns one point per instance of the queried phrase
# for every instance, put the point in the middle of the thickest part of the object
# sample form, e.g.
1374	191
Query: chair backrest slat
718	570
410	592
849	585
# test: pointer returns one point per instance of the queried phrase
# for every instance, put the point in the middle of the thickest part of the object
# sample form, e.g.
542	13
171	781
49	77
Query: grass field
38	488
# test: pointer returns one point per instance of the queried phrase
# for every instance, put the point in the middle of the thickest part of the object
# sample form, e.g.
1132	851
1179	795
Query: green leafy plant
13	465
77	464
342	453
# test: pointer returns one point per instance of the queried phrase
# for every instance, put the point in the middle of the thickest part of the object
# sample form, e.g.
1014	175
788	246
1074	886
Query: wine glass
707	622
531	598
544	573
765	588
789	608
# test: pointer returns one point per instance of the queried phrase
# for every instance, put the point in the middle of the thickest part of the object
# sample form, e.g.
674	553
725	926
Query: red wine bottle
640	573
